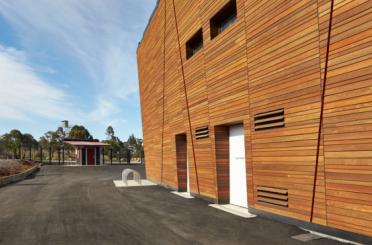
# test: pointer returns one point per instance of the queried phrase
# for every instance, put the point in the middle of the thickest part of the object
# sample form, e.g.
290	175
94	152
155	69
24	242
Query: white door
187	171
238	180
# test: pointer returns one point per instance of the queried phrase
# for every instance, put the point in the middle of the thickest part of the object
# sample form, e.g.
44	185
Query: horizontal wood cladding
347	119
152	57
222	163
181	159
266	70
284	72
174	100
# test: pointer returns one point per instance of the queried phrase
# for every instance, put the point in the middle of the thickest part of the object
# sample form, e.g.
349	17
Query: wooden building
87	152
263	104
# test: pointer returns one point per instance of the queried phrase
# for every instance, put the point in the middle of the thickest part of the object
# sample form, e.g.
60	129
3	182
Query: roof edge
148	23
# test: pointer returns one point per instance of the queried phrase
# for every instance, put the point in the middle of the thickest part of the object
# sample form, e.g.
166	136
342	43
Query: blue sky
73	60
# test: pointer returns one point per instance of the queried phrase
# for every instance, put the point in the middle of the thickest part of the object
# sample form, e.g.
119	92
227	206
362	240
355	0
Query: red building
88	152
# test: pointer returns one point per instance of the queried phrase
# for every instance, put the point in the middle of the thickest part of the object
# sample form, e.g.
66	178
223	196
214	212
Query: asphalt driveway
80	205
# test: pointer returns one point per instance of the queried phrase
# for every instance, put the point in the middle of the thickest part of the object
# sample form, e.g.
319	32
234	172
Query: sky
71	60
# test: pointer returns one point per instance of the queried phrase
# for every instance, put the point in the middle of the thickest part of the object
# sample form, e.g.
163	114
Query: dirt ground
10	167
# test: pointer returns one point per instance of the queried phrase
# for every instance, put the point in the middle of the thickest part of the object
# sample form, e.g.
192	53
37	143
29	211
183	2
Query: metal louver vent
269	120
272	195
202	132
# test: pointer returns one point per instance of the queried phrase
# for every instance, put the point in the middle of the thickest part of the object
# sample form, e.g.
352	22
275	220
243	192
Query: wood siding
277	55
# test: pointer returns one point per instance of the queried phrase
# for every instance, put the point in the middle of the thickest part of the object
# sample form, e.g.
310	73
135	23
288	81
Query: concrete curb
326	230
18	177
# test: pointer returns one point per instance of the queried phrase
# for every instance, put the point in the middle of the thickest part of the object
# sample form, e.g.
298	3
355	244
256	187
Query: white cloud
23	94
106	113
103	110
99	35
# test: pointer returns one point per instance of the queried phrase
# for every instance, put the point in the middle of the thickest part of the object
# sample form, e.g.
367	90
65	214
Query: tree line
18	145
131	148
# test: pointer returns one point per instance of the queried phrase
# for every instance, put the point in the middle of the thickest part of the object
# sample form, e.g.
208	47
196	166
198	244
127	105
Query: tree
3	149
110	133
9	145
13	141
79	133
139	152
132	141
128	153
29	142
131	147
60	135
115	142
136	146
16	137
50	137
43	142
54	140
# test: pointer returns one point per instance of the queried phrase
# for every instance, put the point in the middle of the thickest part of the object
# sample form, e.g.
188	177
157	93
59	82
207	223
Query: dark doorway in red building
90	156
83	156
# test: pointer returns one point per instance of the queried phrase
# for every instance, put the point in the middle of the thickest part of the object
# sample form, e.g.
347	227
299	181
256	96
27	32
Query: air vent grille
272	195
269	120
202	132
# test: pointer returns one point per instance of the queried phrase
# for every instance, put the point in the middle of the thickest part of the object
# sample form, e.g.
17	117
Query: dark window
194	44
223	19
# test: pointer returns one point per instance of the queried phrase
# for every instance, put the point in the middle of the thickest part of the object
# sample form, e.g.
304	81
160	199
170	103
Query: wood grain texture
347	118
181	158
221	149
273	57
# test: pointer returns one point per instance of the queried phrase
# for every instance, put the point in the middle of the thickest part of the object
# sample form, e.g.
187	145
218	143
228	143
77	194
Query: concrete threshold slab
233	209
321	235
183	194
132	183
306	237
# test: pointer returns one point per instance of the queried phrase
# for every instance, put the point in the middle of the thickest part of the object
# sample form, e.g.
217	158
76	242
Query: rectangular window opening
195	44
223	19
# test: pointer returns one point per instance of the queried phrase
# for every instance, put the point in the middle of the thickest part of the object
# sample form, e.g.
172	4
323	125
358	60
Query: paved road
80	205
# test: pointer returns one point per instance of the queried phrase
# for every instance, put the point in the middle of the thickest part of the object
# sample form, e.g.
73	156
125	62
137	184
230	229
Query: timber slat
267	67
